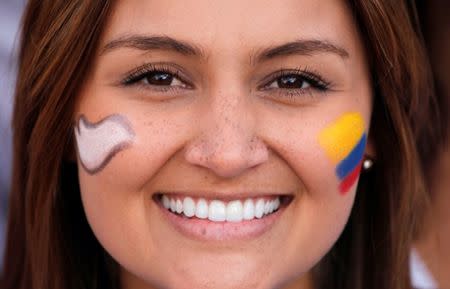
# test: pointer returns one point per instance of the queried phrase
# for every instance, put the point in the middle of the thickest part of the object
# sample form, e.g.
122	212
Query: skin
223	133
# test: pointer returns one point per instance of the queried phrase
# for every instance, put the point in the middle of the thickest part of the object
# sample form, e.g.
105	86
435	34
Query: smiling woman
216	144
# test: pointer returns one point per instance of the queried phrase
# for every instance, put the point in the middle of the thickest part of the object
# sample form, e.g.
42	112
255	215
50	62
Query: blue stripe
347	165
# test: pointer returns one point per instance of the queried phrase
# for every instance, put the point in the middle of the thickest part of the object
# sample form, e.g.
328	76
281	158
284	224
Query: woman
199	144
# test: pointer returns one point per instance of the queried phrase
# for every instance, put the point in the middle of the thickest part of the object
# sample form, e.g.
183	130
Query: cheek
344	142
320	210
157	143
326	157
116	199
316	172
131	168
120	222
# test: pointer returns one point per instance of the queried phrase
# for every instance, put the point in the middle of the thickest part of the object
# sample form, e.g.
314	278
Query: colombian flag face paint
344	143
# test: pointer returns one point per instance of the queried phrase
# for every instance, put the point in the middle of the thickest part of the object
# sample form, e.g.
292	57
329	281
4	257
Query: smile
214	219
218	211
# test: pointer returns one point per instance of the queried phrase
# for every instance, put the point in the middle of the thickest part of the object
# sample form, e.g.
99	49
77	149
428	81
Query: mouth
216	219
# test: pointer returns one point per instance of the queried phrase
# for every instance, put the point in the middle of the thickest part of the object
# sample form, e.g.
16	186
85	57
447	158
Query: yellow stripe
342	136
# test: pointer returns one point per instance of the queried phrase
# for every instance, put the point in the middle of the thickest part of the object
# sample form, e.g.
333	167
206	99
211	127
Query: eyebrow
146	43
302	47
142	42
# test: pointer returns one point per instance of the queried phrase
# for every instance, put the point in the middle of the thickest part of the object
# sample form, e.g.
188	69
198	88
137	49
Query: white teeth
173	205
272	206
267	206
249	209
277	203
259	208
189	207
166	202
234	211
179	206
218	211
201	210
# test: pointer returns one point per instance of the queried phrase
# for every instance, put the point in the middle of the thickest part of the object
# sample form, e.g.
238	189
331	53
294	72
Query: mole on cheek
99	142
344	143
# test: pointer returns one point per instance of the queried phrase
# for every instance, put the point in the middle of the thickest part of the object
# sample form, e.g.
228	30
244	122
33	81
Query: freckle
203	232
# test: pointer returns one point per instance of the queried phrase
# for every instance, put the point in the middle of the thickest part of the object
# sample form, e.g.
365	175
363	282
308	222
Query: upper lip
224	195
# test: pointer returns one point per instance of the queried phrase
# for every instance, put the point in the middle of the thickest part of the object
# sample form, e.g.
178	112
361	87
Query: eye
290	86
296	80
159	77
290	81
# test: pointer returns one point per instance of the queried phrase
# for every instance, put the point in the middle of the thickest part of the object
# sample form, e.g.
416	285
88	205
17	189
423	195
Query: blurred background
10	13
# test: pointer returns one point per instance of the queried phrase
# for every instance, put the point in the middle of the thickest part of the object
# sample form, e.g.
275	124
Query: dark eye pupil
290	81
160	78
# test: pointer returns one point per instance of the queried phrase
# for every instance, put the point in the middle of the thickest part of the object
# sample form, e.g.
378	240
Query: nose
226	142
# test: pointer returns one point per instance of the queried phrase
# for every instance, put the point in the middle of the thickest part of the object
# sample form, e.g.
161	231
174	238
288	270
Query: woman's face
219	142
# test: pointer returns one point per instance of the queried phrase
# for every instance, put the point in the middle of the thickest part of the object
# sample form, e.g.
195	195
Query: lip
206	230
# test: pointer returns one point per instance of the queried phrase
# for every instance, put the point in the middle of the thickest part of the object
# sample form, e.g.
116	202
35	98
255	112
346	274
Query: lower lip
206	230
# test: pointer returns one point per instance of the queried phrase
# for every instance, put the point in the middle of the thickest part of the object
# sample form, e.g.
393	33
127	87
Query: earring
367	164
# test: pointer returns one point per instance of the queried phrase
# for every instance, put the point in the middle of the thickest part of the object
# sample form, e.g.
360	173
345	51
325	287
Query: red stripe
350	180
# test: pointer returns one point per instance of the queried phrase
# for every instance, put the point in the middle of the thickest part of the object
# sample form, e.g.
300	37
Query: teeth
166	202
276	204
234	211
179	206
272	206
267	206
259	208
218	211
173	205
188	207
201	211
249	209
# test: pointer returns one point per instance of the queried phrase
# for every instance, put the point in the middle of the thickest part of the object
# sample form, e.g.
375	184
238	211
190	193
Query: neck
433	244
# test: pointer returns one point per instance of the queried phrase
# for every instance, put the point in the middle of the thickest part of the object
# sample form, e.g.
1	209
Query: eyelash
317	83
140	73
313	78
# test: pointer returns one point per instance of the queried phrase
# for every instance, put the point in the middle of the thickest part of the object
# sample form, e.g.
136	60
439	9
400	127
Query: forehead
235	23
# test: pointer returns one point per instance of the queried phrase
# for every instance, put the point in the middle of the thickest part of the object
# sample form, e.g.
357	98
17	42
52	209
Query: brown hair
436	29
373	250
49	242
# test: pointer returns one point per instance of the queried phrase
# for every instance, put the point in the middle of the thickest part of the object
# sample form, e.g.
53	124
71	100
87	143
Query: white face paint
99	142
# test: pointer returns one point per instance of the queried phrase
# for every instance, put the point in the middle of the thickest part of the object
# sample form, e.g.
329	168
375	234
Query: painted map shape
344	143
99	142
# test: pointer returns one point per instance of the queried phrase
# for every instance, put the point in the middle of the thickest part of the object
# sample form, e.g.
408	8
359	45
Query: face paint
344	143
99	142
